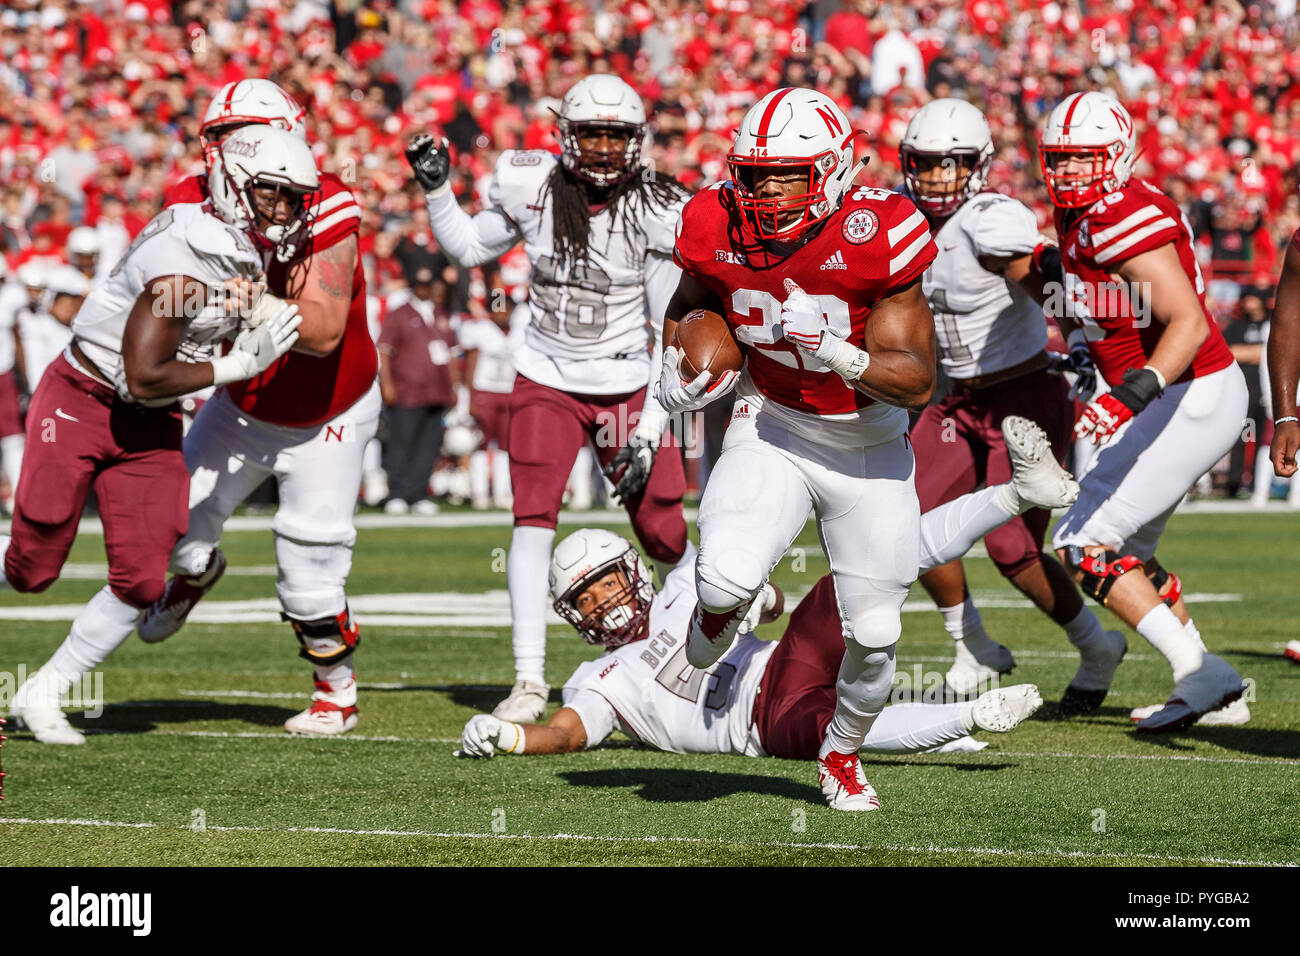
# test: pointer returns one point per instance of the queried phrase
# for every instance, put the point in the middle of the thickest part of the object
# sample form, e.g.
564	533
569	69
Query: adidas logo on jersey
835	262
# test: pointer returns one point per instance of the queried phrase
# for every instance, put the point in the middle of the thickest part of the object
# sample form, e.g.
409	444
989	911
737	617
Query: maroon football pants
796	697
959	446
548	427
80	436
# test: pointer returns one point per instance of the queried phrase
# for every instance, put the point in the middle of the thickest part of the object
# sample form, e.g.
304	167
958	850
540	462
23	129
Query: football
706	343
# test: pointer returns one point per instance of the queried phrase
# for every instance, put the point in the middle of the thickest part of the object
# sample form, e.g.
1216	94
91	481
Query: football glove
676	395
255	349
804	323
484	734
630	469
1079	363
1105	416
430	162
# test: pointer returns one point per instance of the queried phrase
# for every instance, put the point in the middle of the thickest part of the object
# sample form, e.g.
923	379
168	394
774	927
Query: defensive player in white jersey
986	289
105	414
597	223
305	421
44	325
27	294
760	698
1177	401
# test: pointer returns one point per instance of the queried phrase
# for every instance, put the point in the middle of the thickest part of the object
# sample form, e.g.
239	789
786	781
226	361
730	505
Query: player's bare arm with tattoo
325	281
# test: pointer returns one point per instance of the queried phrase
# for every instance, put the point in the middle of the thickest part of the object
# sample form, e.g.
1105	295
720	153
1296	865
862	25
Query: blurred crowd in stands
100	103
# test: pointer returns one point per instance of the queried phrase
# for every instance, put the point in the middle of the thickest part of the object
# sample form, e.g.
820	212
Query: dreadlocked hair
571	215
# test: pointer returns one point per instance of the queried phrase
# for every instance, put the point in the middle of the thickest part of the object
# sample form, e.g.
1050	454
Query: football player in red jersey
305	421
821	284
1177	403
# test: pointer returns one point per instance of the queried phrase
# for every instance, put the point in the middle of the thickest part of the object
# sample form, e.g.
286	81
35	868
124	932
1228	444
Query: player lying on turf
761	698
104	415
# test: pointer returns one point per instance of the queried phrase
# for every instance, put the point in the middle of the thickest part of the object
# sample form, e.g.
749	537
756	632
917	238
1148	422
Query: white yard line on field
589	838
462	610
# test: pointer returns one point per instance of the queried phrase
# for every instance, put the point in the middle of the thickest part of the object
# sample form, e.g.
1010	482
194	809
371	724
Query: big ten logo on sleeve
439	352
343	430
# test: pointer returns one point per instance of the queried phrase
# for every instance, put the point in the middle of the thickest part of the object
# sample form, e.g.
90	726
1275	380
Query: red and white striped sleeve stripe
1125	238
906	240
333	211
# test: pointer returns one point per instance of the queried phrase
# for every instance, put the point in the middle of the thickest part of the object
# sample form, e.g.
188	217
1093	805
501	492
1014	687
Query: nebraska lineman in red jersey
821	284
305	420
1178	399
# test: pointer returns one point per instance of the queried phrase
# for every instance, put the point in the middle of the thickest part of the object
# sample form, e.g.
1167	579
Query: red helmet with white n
248	102
791	130
264	158
584	558
1086	149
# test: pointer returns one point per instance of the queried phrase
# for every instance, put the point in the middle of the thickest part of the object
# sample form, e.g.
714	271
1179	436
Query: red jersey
1117	227
875	242
301	390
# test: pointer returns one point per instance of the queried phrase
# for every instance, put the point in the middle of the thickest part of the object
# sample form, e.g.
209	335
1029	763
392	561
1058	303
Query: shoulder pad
210	236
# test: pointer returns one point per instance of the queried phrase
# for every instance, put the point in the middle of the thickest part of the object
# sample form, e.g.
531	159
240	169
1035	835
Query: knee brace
1168	588
732	579
1100	572
326	640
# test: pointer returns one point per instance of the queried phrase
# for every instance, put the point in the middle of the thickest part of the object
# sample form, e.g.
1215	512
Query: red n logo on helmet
832	123
1122	120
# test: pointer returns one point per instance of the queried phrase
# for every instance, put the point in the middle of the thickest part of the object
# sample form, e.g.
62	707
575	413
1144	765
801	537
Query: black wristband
1139	387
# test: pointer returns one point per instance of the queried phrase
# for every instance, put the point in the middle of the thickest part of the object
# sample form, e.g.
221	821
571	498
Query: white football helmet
32	276
461	438
251	101
953	134
264	157
602	101
582	559
83	249
791	129
1093	133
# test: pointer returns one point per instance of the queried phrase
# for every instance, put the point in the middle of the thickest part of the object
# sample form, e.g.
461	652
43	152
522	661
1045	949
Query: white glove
255	349
266	306
676	395
804	323
483	734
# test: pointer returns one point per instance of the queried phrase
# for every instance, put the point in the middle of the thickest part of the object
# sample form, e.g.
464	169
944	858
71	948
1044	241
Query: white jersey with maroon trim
182	240
494	371
1094	244
647	690
875	243
591	322
984	321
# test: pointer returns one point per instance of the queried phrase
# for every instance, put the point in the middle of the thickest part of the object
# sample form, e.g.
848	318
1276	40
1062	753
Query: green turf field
188	764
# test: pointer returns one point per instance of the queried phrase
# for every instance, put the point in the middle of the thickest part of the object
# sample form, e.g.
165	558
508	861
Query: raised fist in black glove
430	162
630	469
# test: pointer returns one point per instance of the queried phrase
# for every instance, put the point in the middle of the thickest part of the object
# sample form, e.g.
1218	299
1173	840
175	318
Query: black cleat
1076	702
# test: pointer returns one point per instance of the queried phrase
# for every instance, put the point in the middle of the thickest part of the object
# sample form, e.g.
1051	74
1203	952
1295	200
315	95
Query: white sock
500	475
1194	633
580	486
1162	628
342	681
4	550
963	620
478	475
1263	476
862	690
1293	492
1084	629
101	627
11	450
952	529
527	572
912	728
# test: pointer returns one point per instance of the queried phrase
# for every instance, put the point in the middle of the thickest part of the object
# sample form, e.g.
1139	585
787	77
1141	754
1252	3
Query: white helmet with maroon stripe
792	130
954	135
1086	149
616	617
247	102
599	102
264	158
